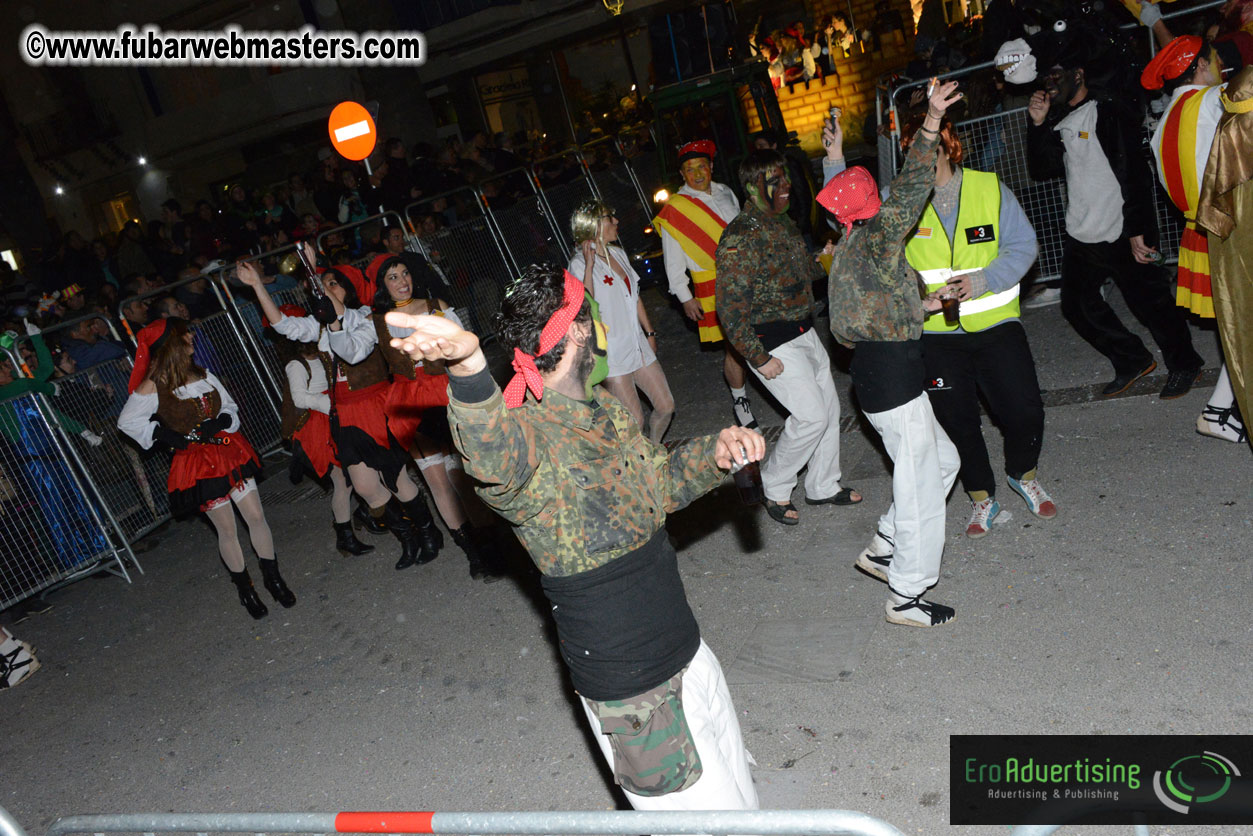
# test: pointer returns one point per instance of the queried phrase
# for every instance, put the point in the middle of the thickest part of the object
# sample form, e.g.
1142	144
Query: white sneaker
17	666
1043	297
981	516
1038	500
915	612
875	558
744	413
1221	423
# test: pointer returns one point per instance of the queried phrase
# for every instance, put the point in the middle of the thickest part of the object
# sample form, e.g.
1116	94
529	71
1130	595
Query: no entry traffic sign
352	131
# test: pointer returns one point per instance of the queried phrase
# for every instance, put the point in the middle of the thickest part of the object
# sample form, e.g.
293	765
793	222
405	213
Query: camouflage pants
724	782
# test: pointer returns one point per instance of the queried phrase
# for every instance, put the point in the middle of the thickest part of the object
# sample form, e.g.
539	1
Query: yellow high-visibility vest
974	246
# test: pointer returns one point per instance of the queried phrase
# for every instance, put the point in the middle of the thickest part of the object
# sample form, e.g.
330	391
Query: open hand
943	97
438	338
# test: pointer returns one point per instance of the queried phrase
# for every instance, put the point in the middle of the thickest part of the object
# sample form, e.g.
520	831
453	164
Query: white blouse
308	385
136	419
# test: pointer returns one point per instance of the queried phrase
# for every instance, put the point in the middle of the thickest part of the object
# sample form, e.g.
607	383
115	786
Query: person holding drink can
877	306
972	246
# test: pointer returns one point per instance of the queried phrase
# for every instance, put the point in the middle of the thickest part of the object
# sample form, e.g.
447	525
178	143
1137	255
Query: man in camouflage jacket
877	307
765	304
588	495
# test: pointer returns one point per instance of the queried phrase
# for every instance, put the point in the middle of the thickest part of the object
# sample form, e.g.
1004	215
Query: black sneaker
1179	383
1122	382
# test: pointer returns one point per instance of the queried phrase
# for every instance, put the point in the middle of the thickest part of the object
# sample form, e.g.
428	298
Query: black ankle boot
483	566
424	525
412	550
362	518
248	595
274	584
347	543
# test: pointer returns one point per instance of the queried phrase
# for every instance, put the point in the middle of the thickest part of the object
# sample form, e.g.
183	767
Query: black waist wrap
626	626
777	332
888	374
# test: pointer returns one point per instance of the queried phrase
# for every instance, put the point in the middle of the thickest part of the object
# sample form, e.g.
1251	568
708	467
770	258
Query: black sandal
844	497
778	512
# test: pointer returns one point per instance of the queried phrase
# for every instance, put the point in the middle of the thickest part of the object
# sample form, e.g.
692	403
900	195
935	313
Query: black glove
167	436
324	311
210	427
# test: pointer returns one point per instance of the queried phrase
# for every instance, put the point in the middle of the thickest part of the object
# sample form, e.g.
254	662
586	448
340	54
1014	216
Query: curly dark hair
529	303
758	164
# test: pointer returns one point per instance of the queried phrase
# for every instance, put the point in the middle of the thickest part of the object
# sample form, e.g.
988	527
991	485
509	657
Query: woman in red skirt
364	445
175	402
418	398
306	423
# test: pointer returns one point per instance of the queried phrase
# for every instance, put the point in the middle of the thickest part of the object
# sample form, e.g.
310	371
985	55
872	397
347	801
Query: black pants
998	363
1146	288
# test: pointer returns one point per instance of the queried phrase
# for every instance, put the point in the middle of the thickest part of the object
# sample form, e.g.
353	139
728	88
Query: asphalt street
423	690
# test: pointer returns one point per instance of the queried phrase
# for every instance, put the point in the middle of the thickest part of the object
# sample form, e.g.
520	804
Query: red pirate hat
358	280
699	148
286	310
149	339
1172	62
852	195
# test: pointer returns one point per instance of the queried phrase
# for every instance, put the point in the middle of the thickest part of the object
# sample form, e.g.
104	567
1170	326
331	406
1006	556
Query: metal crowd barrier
526	227
130	482
609	822
997	143
55	525
617	185
468	255
570	187
224	348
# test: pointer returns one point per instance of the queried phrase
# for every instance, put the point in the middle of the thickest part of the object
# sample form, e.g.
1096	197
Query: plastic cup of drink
951	306
825	260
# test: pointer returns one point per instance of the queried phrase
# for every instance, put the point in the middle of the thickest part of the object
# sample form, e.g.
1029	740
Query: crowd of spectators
189	241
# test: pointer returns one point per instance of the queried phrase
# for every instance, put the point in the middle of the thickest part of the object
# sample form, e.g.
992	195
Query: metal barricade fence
468	256
223	347
130	482
564	183
610	823
52	528
616	184
528	231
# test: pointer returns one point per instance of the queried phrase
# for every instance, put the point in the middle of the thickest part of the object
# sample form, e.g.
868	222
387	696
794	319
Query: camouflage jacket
577	478
873	294
764	275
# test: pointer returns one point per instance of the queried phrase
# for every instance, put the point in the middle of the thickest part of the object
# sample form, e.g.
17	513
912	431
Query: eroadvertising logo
1174	790
1100	779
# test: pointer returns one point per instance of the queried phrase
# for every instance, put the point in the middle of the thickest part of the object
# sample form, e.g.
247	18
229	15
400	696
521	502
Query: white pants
924	468
811	434
725	782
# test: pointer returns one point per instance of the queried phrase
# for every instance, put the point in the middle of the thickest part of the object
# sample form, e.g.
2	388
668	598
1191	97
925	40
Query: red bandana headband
852	195
526	376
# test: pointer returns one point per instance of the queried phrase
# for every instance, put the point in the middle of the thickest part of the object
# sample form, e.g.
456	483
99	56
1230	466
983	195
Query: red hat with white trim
1171	62
698	148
